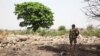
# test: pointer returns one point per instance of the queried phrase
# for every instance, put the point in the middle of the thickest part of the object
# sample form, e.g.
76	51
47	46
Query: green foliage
23	32
41	32
51	32
89	27
97	33
62	28
93	32
34	15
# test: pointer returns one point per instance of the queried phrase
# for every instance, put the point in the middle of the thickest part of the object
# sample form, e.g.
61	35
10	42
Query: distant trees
92	9
62	28
34	15
90	27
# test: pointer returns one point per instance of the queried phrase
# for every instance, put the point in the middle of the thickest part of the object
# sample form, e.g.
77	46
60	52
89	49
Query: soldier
73	33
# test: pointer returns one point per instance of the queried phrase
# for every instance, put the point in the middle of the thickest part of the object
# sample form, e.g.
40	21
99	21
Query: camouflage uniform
73	35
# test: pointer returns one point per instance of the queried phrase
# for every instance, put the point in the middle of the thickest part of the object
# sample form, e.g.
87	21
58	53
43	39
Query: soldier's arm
69	33
77	31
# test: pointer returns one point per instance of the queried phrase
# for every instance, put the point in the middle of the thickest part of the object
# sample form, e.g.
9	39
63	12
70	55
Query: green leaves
34	14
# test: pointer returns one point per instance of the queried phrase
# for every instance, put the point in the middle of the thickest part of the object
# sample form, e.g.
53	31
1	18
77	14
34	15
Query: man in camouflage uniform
73	33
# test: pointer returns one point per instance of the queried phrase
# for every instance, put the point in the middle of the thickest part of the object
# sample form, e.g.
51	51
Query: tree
92	9
62	28
34	14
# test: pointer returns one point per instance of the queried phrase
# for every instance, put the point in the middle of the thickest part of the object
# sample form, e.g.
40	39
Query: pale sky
66	12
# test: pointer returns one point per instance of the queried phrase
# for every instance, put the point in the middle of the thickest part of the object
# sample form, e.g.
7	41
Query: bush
43	32
23	32
51	32
62	28
93	32
97	33
90	27
46	32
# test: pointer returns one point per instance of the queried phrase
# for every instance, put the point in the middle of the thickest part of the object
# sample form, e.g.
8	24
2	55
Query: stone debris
23	45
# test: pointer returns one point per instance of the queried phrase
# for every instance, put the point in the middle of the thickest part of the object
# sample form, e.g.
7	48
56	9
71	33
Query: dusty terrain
34	45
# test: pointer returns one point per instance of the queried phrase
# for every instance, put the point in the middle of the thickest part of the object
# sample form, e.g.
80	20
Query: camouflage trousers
72	40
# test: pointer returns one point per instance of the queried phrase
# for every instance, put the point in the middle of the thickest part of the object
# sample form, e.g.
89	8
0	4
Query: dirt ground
29	45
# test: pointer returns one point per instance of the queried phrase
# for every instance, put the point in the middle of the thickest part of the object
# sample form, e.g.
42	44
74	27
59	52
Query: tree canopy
34	15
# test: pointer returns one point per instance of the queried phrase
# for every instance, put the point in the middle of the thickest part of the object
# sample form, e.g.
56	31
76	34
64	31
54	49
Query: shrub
62	28
51	32
93	32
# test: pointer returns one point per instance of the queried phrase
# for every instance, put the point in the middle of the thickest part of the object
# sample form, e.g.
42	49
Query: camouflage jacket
73	33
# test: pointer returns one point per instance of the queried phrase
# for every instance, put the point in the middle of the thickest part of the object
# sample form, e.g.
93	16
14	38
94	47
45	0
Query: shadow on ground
80	50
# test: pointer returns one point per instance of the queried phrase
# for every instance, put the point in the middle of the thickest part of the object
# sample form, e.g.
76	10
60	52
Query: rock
23	39
3	45
35	39
5	42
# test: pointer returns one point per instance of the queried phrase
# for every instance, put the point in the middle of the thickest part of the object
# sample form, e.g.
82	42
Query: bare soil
33	45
